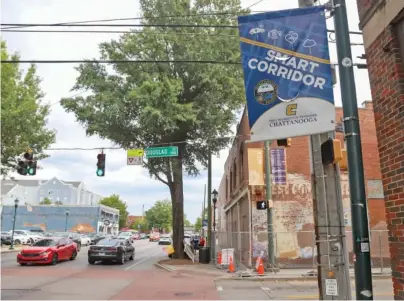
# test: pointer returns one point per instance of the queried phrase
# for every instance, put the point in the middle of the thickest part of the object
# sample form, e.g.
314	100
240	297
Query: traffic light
101	165
262	205
284	142
22	168
28	165
331	151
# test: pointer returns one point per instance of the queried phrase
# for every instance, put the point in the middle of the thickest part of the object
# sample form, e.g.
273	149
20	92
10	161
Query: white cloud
133	183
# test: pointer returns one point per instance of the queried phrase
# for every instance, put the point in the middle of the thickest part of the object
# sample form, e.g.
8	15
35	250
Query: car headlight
44	253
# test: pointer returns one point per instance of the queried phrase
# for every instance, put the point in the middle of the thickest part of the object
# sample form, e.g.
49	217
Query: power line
125	25
235	14
118	31
145	25
117	62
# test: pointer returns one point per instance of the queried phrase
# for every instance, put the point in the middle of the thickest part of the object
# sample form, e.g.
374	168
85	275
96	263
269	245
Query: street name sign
135	156
161	152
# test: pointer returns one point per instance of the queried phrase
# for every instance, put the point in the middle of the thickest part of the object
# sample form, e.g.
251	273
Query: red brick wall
386	75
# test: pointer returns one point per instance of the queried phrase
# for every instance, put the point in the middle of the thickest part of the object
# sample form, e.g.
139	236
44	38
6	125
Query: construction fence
295	249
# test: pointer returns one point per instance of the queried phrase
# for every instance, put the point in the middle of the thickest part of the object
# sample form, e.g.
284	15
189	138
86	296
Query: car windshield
61	234
92	234
45	243
108	242
125	234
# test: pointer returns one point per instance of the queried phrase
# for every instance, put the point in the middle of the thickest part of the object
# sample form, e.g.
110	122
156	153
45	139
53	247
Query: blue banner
287	73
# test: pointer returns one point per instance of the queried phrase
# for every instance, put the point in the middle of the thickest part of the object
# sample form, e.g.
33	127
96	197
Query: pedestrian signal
262	205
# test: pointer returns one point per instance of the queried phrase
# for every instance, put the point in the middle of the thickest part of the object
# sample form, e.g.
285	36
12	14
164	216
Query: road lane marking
143	260
316	296
219	288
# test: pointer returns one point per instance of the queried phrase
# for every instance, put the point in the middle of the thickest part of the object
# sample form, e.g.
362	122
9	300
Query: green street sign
160	152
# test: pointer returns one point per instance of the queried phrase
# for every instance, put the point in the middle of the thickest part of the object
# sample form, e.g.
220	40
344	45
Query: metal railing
296	249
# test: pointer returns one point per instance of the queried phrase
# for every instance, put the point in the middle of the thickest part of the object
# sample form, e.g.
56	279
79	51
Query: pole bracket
351	134
350	118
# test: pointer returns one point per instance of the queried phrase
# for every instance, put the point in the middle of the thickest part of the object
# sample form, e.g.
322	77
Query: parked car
155	236
165	241
127	235
113	249
5	238
136	236
71	235
48	251
85	240
33	237
142	236
18	238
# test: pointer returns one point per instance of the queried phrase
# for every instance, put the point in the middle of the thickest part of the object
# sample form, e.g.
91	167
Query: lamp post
213	235
16	201
67	216
214	200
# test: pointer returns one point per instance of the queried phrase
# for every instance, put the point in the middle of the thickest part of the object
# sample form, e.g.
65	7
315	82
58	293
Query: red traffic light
29	156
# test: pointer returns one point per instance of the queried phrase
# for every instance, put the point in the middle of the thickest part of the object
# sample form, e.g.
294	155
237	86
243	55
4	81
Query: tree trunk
177	199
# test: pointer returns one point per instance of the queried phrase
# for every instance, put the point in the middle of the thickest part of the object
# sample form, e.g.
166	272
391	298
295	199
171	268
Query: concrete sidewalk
211	270
6	249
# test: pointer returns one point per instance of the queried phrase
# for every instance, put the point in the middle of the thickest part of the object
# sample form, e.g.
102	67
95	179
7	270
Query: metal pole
214	218
209	199
12	233
360	230
66	221
142	212
271	246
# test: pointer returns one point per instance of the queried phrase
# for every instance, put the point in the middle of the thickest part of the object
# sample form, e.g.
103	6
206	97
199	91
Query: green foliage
45	201
187	223
23	116
160	215
114	201
154	103
144	225
58	203
198	224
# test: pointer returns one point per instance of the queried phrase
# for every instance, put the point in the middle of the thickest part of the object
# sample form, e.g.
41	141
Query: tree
114	201
198	224
160	215
23	116
191	106
45	201
142	223
58	203
187	223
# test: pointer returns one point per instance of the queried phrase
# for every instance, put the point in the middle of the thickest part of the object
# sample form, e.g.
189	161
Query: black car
71	235
96	239
5	238
111	249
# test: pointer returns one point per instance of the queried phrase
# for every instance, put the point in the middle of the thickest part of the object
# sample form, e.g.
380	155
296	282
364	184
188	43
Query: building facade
382	25
33	192
85	219
243	227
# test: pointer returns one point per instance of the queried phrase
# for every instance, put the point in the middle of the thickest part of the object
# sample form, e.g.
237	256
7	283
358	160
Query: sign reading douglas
287	73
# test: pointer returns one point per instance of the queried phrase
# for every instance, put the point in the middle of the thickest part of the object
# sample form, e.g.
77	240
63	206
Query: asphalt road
75	279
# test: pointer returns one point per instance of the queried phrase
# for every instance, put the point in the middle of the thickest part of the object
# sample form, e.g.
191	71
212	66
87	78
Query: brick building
243	227
382	24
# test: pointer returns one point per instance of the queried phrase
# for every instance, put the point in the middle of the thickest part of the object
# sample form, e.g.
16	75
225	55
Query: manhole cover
183	294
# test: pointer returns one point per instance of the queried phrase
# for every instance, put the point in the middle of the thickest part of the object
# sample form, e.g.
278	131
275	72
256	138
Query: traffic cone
231	265
219	258
260	269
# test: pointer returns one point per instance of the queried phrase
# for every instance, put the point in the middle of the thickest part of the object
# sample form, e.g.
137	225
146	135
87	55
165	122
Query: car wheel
122	259
17	242
74	255
54	259
132	257
78	247
91	261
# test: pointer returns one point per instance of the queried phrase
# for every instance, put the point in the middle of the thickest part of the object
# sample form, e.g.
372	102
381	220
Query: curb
163	267
9	251
296	278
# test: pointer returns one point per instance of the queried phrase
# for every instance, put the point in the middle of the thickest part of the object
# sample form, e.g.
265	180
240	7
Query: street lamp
214	200
67	215
16	201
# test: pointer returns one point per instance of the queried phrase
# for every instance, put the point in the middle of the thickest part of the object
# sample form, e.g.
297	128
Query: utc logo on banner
262	205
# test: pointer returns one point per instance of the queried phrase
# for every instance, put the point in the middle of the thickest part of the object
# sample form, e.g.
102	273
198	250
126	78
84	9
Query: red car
48	251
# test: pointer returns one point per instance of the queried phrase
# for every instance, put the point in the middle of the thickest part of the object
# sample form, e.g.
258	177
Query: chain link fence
295	249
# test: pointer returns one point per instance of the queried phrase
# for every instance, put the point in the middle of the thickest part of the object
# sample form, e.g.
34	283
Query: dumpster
204	255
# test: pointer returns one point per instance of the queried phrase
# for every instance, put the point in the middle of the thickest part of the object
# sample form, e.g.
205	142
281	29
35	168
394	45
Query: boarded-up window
399	29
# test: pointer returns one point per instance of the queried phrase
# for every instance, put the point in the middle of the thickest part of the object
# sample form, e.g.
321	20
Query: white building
34	191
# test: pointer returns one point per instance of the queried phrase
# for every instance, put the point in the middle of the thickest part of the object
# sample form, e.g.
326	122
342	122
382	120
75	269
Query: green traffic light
100	172
30	171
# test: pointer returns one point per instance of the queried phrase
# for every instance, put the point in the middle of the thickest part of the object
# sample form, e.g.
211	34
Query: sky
132	183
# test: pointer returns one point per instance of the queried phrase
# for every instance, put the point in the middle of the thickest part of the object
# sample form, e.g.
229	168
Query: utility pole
332	256
142	212
209	242
360	229
271	245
